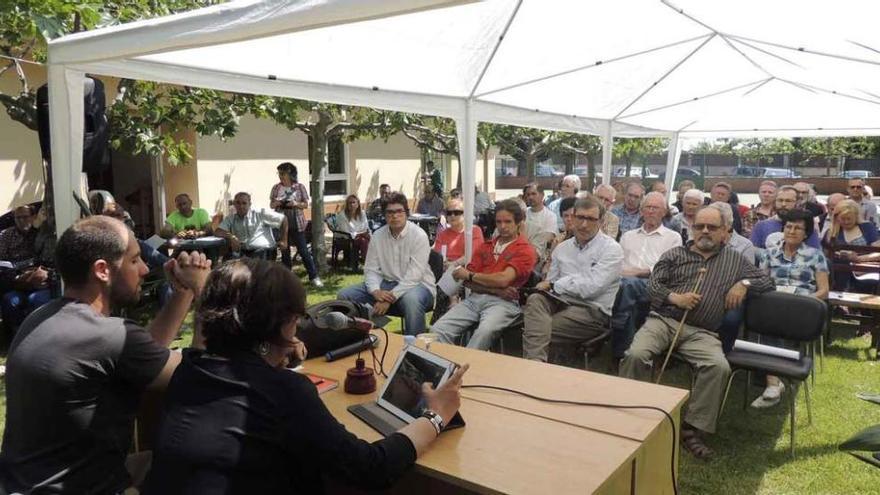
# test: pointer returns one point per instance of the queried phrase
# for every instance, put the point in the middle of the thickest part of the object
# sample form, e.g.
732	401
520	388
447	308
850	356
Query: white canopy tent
630	68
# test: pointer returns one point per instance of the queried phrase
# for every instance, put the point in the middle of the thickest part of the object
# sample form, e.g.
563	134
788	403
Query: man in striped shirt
727	279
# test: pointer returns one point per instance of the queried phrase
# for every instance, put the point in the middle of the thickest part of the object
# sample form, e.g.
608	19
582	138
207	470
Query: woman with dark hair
291	198
353	220
237	421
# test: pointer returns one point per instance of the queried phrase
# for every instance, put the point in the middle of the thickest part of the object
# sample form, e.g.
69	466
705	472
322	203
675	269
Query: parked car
764	172
857	174
544	170
683	173
634	171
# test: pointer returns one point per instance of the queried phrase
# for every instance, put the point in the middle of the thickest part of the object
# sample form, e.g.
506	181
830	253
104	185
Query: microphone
350	349
335	320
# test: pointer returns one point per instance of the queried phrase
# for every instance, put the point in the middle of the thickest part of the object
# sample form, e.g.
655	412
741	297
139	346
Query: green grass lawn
752	447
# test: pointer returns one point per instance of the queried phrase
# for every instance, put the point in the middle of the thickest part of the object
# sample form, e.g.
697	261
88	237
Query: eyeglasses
700	227
396	211
452	213
584	218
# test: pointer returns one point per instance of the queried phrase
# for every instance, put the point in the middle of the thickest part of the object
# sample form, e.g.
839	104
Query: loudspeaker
96	135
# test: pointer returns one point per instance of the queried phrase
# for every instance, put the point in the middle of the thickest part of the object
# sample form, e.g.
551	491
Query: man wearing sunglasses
575	299
397	277
867	208
727	278
499	267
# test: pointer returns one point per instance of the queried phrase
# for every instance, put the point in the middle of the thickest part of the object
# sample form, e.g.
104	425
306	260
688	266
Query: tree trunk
628	166
591	174
317	171
530	167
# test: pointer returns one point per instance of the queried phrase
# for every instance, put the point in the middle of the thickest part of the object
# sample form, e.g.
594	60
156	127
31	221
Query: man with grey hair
607	194
691	202
735	241
628	212
571	184
726	280
573	303
642	248
768	233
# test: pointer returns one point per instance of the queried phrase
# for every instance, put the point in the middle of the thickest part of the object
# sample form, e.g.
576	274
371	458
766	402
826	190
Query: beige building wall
21	165
371	163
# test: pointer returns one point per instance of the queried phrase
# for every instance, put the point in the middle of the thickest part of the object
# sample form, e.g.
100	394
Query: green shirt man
186	222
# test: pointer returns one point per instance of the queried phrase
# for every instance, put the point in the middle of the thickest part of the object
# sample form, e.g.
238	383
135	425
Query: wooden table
862	301
513	444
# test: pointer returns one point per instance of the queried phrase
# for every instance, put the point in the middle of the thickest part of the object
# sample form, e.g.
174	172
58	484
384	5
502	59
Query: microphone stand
680	326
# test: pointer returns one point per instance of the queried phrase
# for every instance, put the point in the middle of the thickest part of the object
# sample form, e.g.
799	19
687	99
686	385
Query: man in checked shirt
729	276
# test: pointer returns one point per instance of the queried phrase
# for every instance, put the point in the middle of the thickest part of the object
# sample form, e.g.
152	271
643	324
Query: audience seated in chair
725	283
858	192
578	292
497	269
25	287
75	375
796	268
768	233
397	277
628	212
353	221
606	193
540	222
430	204
450	241
375	214
187	222
568	188
763	210
249	232
691	202
642	248
566	209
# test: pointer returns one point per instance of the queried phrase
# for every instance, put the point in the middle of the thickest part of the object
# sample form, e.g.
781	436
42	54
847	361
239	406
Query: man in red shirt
497	269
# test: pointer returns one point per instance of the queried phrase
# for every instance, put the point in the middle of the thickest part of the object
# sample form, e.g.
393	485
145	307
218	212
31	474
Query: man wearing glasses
574	301
727	279
249	232
499	267
397	277
642	248
628	212
867	208
768	233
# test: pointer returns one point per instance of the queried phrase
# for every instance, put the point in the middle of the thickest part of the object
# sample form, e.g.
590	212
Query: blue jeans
298	239
412	305
16	305
729	329
628	315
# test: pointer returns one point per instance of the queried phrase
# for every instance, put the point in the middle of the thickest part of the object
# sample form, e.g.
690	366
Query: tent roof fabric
648	67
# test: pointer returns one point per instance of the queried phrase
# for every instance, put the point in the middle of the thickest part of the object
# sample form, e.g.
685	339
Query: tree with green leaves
586	145
630	149
526	144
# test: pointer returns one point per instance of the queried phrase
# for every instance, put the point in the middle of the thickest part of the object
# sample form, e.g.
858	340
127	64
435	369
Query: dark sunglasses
452	213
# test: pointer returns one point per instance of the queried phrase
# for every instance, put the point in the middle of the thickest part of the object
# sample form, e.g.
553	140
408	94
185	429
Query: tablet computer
401	394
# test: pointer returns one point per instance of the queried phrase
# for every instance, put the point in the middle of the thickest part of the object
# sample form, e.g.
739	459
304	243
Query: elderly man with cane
690	288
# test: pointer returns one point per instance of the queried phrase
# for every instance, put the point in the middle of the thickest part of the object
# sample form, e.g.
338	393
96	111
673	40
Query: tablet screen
403	390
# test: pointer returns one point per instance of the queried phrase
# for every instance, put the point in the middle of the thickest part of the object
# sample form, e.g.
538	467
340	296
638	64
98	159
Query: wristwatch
746	282
435	419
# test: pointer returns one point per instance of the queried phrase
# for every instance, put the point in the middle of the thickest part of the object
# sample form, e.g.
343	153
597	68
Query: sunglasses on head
452	213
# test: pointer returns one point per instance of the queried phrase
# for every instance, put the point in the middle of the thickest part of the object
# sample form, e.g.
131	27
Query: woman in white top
353	220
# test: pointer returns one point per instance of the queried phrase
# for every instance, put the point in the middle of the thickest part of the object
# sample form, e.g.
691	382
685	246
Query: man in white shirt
571	184
397	277
642	248
541	221
249	232
867	208
579	289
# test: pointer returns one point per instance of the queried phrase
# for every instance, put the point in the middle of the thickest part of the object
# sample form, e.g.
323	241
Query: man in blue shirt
628	212
768	233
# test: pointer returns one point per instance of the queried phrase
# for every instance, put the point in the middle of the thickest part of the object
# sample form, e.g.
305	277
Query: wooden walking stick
702	272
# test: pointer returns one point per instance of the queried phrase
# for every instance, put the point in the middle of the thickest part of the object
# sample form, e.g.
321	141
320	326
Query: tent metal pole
466	128
607	148
672	163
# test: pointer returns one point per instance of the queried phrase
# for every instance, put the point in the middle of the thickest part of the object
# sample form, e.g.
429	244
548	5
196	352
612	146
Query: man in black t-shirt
75	375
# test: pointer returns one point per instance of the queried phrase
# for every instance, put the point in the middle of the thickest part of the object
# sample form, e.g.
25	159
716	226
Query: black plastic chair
787	316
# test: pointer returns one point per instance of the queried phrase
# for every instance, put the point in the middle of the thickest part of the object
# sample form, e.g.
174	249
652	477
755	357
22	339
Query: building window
336	180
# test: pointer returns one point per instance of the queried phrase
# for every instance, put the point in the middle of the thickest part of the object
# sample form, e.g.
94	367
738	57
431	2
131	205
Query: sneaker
316	283
773	392
762	403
